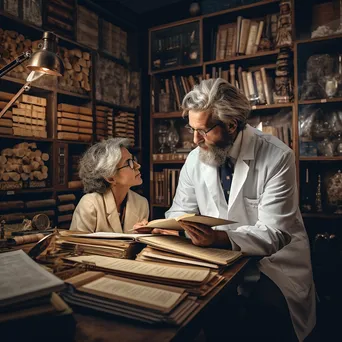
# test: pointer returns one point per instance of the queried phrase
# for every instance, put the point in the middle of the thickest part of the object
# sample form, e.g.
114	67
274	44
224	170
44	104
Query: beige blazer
97	213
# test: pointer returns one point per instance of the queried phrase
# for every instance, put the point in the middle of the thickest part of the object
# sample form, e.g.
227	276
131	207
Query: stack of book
106	244
125	126
197	281
74	122
243	37
104	122
139	300
6	122
29	119
27	289
65	207
180	251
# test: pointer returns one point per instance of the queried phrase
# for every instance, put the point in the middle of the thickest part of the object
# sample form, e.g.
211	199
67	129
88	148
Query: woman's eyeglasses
130	163
201	132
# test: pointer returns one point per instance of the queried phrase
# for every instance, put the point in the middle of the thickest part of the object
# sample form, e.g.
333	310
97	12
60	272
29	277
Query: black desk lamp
43	62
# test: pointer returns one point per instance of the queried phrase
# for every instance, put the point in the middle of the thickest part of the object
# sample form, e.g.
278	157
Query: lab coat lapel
111	211
242	165
210	175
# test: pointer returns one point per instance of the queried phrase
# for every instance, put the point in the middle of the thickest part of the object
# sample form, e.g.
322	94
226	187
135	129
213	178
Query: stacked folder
196	280
139	300
180	251
27	296
121	247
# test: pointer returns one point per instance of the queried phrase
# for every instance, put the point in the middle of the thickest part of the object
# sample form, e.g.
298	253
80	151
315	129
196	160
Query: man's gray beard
214	155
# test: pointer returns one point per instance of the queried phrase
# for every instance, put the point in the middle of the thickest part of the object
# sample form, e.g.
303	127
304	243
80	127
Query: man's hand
200	234
204	236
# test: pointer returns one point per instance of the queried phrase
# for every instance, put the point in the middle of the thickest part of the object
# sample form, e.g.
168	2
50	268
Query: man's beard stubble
217	154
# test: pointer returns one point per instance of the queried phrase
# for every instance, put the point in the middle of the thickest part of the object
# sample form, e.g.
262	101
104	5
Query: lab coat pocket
251	205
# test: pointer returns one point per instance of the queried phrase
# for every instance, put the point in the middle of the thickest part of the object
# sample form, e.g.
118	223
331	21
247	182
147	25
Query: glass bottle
172	137
306	204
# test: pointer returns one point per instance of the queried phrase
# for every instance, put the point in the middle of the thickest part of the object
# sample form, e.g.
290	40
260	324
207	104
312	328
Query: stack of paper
107	244
196	280
143	301
180	251
27	289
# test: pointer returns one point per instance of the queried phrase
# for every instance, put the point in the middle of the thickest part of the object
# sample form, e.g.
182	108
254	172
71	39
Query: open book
173	224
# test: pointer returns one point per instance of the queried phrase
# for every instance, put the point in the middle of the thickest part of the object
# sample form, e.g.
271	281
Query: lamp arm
26	87
20	59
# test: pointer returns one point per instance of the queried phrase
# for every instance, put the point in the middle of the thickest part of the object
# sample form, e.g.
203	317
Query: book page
144	268
183	246
104	235
22	278
140	293
170	223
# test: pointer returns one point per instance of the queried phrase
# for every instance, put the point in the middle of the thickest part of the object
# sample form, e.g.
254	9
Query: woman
108	171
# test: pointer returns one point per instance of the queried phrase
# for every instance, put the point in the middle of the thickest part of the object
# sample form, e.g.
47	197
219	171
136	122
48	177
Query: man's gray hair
100	162
221	99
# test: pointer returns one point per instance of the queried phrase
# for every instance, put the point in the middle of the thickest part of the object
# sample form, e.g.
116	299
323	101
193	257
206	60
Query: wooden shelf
115	106
168	161
74	142
18	137
27	190
331	100
182	67
273	106
321	158
318	39
242	57
168	115
22	82
321	216
70	93
241	8
120	61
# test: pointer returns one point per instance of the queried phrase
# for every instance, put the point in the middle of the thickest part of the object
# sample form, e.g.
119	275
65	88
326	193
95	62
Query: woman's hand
165	231
140	228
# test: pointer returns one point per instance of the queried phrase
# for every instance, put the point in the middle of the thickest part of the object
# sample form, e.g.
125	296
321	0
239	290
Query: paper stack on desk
26	288
180	251
139	300
196	280
107	244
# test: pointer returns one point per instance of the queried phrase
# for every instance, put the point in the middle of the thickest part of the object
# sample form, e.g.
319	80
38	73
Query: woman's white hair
221	99
100	162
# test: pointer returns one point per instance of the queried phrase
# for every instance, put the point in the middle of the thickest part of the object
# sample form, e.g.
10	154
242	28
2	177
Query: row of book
124	126
26	118
243	37
165	185
176	87
257	85
74	122
279	125
104	122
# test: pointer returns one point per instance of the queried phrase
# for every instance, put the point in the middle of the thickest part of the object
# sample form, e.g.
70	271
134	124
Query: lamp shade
45	60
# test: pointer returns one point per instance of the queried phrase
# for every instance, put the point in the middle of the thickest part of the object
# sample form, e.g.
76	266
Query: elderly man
239	173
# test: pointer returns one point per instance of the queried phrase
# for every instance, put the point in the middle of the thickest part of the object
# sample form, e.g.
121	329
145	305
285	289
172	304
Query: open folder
173	224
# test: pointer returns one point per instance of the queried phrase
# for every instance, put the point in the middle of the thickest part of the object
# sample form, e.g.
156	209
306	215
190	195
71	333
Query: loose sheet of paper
145	268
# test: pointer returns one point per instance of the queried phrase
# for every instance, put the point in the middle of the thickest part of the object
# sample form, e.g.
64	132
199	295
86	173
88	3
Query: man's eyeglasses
130	163
201	132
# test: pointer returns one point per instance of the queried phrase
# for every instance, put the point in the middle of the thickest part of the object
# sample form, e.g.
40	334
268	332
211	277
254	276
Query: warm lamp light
43	62
46	60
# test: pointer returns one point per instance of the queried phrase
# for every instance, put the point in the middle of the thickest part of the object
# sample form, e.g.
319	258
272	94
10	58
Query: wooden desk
92	327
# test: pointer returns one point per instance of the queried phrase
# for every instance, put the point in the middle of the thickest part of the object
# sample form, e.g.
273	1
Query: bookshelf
100	115
303	18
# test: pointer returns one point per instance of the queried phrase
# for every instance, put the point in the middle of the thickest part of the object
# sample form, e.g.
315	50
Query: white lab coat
264	201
